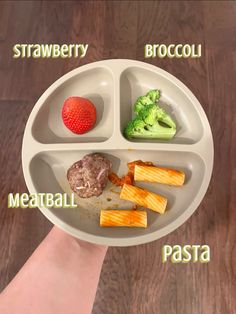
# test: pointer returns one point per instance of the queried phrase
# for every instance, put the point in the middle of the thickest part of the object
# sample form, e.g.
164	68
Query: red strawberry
78	114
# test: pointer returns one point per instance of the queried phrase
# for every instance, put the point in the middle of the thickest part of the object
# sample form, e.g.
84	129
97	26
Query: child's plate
49	148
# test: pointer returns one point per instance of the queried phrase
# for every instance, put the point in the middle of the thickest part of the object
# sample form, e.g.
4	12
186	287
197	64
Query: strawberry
78	114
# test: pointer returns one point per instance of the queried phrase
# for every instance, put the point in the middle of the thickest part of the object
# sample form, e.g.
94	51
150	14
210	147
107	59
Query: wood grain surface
133	279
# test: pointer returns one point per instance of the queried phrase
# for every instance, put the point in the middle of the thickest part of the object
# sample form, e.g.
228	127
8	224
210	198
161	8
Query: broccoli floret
154	95
141	102
134	126
152	113
151	98
152	122
149	114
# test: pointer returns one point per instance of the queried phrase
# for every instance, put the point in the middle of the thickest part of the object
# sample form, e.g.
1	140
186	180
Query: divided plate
49	148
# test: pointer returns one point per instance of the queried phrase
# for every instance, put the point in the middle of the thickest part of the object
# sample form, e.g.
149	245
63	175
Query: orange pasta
159	175
123	218
129	177
144	198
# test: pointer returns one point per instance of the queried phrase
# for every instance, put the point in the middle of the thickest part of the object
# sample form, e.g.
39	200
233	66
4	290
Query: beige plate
49	149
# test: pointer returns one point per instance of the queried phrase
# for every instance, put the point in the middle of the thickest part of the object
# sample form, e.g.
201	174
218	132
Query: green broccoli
151	121
154	95
137	128
151	98
152	113
149	114
141	102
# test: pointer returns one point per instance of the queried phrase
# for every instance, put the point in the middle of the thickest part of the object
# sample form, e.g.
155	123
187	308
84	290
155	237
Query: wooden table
133	279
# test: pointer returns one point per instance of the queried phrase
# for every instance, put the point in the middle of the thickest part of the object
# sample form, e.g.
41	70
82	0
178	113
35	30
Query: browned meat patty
88	177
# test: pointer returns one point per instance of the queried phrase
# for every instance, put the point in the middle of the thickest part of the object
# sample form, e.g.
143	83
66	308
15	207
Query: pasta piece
159	175
123	218
131	165
144	198
129	177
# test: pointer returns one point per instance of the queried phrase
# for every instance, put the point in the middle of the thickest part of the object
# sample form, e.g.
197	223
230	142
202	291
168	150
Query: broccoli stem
162	134
169	121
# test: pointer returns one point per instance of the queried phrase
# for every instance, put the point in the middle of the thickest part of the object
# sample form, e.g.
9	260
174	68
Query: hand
60	277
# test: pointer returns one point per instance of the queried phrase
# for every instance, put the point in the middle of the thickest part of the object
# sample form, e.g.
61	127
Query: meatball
88	177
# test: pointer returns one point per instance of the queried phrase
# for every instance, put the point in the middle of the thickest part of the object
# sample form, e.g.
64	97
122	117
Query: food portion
88	177
123	218
79	114
129	177
151	121
144	198
159	175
